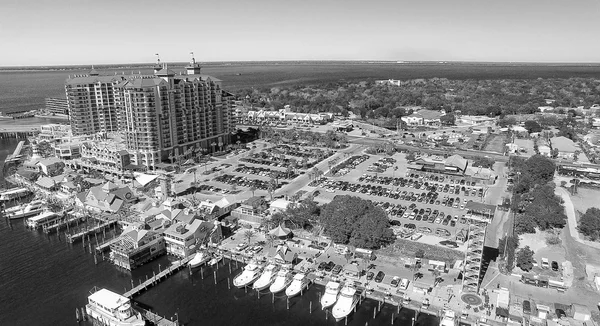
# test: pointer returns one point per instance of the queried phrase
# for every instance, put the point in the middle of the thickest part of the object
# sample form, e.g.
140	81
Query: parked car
337	269
395	281
379	277
555	266
404	284
322	266
526	307
370	276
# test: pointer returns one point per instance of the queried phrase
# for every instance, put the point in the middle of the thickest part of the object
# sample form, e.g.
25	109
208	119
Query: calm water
26	90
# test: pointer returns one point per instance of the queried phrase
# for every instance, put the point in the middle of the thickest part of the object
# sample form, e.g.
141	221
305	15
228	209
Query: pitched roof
427	114
456	160
109	186
280	231
46	182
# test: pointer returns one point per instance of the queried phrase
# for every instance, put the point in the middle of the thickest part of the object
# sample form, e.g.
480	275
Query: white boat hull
276	288
244	283
20	214
328	301
340	314
294	291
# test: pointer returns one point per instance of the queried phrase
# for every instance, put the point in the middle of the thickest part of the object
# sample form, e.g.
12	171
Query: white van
404	284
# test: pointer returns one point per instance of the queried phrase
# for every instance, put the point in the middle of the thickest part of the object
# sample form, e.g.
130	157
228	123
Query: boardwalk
75	237
156	319
104	246
155	279
61	224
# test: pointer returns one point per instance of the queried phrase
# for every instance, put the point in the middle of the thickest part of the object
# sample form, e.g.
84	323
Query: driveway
571	218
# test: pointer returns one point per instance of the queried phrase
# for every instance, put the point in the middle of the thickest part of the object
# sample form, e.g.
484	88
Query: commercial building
164	116
57	105
137	246
182	239
424	117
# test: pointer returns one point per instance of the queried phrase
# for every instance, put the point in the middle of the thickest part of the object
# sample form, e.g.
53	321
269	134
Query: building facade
57	105
164	116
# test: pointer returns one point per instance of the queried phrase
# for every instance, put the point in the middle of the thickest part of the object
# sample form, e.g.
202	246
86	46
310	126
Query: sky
65	32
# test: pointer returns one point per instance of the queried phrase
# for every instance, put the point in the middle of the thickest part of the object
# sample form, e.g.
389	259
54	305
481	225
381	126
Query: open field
495	144
584	199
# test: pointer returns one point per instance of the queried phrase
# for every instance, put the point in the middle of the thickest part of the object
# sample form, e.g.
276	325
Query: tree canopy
532	126
525	259
589	223
350	219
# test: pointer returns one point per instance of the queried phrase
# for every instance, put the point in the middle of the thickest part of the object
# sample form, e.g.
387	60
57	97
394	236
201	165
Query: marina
14	194
25	210
71	238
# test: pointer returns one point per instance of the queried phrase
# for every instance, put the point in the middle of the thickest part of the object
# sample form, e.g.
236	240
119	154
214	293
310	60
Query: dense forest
474	97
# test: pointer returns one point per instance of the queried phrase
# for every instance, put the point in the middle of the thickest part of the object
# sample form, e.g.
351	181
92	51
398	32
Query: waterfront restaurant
137	246
182	239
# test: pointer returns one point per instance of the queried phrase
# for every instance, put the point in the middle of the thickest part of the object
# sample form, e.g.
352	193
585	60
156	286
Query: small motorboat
199	259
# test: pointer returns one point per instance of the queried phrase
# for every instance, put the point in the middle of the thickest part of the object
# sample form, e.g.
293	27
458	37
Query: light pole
413	321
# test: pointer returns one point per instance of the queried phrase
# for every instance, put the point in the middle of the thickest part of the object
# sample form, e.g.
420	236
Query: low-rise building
454	164
424	117
182	239
108	198
137	246
253	210
476	120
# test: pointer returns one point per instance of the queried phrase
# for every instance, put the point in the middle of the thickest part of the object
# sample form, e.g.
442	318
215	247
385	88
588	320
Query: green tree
349	219
448	119
525	259
532	126
248	235
589	223
420	253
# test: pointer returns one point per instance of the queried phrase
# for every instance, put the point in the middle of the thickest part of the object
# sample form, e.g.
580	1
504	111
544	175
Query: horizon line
366	61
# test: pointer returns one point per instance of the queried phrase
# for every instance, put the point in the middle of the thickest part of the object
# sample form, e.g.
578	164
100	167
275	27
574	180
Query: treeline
472	97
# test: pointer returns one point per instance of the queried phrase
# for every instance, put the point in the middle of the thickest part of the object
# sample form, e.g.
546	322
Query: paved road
571	218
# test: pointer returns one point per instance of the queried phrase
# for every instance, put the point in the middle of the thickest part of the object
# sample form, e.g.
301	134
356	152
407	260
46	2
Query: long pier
96	229
156	278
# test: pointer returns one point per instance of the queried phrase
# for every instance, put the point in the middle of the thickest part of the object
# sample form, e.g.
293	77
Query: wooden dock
61	224
156	319
104	246
96	229
156	278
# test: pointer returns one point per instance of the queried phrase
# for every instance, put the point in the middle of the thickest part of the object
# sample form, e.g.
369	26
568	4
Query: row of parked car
381	165
347	165
244	181
265	172
423	185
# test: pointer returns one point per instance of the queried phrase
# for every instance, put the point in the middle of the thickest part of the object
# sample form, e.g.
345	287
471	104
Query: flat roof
108	299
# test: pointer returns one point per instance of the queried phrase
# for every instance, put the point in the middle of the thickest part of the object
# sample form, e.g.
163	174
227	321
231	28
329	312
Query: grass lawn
584	199
407	248
495	144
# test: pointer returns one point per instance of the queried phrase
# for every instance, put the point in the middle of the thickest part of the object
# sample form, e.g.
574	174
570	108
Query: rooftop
564	144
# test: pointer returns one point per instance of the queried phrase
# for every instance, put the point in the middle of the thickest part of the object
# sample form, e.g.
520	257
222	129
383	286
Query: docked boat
332	290
248	276
448	318
27	210
299	283
215	260
345	303
199	259
14	194
112	309
43	219
266	278
283	280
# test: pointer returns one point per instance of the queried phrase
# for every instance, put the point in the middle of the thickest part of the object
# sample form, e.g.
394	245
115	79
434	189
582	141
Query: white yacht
27	210
15	193
43	219
199	259
267	278
112	309
299	284
332	290
248	276
448	318
215	260
345	303
283	280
